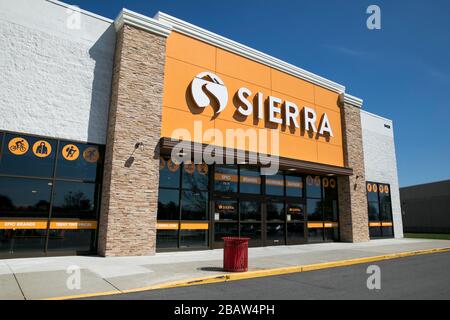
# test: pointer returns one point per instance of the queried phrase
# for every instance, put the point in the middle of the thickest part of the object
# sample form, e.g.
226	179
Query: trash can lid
235	239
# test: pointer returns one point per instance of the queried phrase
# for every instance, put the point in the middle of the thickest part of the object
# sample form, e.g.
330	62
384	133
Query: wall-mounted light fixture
139	145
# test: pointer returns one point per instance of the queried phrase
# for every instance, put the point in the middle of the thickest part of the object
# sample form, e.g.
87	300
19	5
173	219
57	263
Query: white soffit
247	52
143	22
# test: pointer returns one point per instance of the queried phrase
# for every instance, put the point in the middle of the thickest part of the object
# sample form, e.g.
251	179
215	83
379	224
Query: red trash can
235	254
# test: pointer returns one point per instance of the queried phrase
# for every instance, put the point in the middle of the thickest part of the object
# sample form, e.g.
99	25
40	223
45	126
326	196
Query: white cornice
247	52
349	99
143	22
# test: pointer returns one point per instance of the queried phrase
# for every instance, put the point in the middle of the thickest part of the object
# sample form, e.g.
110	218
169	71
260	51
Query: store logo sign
208	85
208	89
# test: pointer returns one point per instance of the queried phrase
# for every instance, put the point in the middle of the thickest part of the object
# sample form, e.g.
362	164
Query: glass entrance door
237	218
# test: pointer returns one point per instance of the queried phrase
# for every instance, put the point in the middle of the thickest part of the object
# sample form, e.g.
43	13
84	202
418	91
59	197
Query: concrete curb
259	273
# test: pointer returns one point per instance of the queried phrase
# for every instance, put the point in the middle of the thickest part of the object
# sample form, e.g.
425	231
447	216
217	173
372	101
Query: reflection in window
275	211
169	174
226	179
315	235
167	239
295	232
168	204
22	241
330	209
195	177
24	197
314	210
28	156
73	240
225	230
275	233
74	200
251	230
194	205
250	211
193	238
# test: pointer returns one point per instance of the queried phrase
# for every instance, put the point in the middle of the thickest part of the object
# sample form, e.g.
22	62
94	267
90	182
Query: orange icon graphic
332	183
42	149
18	146
91	154
70	152
202	168
189	168
173	167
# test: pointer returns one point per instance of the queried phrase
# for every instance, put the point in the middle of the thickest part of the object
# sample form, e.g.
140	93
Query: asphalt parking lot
419	277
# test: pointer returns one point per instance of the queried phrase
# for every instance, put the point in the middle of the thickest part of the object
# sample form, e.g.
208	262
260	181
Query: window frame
98	181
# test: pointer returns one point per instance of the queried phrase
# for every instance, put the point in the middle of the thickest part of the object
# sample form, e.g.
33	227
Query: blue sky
401	71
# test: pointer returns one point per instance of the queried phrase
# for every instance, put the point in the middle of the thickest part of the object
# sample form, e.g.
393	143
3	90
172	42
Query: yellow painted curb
259	273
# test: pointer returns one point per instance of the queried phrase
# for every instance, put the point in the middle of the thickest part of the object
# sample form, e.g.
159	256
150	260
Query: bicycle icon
18	146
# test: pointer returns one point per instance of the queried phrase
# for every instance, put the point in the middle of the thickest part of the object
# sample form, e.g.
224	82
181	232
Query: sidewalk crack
112	285
17	281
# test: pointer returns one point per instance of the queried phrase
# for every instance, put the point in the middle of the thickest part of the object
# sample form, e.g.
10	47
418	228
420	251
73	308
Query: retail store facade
143	134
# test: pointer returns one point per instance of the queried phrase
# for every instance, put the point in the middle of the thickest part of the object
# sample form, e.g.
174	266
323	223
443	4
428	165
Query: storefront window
28	156
169	174
295	212
194	205
275	185
295	232
71	240
294	186
195	177
22	241
250	211
74	200
193	238
24	198
250	181
314	209
275	211
226	211
226	179
183	205
169	204
78	161
313	187
379	210
46	201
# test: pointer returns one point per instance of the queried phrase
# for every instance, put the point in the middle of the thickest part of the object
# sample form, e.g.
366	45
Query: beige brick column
131	175
353	217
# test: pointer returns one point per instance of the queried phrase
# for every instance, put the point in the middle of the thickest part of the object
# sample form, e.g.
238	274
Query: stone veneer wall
131	176
353	215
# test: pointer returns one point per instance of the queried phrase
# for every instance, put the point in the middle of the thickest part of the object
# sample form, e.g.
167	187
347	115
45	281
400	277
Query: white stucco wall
380	160
54	81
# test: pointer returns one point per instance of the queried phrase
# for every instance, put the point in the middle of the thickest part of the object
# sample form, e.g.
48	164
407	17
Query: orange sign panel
22	224
208	91
73	225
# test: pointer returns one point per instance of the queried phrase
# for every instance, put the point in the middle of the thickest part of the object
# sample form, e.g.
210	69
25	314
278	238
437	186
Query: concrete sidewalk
40	278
